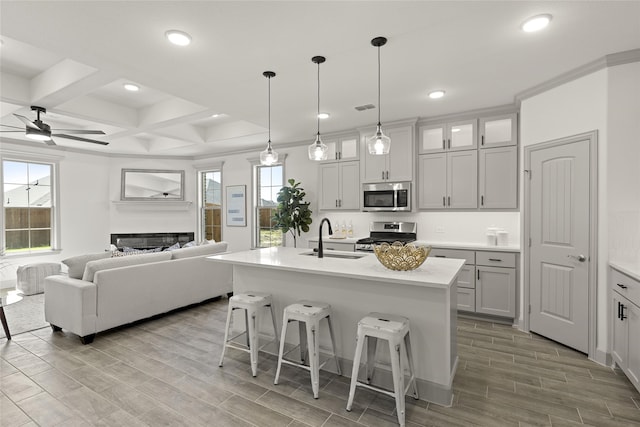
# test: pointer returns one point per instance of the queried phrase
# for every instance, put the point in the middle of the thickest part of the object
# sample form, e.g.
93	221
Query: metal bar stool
310	313
250	302
394	329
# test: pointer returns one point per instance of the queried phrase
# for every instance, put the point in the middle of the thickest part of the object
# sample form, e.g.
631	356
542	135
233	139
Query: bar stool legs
250	302
309	313
394	329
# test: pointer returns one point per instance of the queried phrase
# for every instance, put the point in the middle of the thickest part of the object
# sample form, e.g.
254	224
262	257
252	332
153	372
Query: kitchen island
356	284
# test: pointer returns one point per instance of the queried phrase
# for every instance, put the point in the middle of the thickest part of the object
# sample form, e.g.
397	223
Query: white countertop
469	246
630	270
435	272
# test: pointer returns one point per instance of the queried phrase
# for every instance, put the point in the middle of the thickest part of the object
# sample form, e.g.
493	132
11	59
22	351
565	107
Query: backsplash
624	238
446	227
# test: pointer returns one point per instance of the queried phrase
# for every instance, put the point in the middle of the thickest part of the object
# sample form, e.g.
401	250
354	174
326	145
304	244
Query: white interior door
559	204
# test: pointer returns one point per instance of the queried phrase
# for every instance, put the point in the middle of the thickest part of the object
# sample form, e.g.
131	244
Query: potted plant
293	213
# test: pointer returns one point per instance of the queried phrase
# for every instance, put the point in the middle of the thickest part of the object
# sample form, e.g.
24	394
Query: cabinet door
329	185
349	185
462	179
498	186
619	345
332	150
432	139
432	181
495	291
401	157
462	135
499	131
375	166
633	344
467	277
349	148
466	299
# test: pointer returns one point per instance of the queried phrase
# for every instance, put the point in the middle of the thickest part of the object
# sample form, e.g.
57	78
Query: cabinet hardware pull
478	274
440	256
482	140
481	200
444	146
336	203
339	203
340	155
495	259
382	175
449	200
622	316
449	140
444	202
618	309
622	286
387	174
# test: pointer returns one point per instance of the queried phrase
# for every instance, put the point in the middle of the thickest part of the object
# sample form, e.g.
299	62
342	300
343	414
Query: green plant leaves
293	213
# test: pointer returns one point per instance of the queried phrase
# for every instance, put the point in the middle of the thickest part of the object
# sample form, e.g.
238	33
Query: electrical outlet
439	229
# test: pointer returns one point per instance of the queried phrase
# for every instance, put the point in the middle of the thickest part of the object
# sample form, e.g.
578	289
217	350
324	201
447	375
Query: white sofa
120	290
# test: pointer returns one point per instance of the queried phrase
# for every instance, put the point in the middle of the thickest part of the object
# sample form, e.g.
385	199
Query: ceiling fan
40	131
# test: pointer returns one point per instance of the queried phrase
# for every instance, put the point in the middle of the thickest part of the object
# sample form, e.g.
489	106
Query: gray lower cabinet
329	245
487	282
626	325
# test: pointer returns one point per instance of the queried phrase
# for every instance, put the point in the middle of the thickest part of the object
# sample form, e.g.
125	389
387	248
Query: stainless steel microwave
386	197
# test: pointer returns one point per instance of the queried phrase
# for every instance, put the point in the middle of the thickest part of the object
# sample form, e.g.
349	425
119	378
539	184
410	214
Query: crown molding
610	60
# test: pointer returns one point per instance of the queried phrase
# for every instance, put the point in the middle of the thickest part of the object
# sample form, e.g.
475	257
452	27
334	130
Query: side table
7	296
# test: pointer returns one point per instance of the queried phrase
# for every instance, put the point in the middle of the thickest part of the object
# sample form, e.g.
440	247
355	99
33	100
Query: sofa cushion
76	264
209	249
93	267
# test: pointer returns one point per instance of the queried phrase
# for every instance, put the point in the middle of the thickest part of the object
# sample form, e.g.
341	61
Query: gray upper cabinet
395	166
499	131
498	178
340	186
454	136
342	148
448	180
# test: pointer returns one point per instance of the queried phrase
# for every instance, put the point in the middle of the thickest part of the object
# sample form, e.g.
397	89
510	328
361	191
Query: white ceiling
72	57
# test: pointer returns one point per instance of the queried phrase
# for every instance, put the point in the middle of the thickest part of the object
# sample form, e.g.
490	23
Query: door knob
580	257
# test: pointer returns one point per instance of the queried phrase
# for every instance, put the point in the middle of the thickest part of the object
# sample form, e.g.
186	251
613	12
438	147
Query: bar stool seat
394	329
251	302
308	314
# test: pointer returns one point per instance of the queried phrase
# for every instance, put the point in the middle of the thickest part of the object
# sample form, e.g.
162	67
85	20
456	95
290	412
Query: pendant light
379	143
318	150
269	156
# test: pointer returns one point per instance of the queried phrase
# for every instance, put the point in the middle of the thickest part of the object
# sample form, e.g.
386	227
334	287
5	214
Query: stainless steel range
389	232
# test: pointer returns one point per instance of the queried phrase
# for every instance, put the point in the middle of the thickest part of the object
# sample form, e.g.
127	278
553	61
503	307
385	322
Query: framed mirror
152	184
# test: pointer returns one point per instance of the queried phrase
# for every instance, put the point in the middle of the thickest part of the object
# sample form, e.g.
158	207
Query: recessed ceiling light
536	23
436	94
131	87
323	115
213	116
177	37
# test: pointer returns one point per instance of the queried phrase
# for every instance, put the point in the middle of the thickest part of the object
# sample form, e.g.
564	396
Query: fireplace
150	240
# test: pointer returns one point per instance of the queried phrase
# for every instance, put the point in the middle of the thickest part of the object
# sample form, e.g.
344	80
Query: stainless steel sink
329	254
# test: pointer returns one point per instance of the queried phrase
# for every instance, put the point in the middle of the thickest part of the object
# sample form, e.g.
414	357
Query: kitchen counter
468	246
356	287
630	270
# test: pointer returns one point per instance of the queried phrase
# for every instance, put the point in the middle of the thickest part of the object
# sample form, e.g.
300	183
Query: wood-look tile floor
164	372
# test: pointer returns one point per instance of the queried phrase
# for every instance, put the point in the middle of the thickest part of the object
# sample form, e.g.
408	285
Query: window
28	206
269	181
211	204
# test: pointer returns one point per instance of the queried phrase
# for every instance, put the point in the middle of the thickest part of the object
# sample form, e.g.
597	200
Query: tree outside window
27	206
212	205
269	182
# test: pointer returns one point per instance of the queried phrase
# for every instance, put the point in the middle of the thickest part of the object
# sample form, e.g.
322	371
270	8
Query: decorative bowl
398	256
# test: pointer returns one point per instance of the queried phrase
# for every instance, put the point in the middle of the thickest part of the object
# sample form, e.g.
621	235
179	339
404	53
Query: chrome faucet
320	252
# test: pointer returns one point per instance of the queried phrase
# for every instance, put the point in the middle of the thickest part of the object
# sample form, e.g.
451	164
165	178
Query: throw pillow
76	264
189	244
199	250
175	246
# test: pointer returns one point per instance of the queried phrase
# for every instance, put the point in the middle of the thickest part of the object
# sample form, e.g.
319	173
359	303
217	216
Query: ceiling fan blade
12	127
79	131
50	142
27	122
77	138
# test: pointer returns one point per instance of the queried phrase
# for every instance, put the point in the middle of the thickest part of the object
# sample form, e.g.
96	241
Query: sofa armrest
70	304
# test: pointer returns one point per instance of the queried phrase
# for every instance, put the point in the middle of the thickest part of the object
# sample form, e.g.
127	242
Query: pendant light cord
269	109
379	86
318	116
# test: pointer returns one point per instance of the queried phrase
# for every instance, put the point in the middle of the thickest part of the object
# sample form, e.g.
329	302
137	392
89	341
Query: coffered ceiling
73	57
